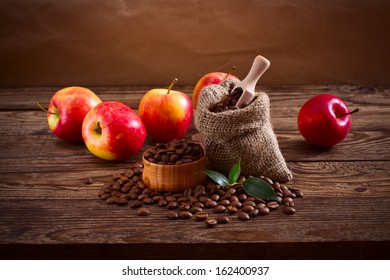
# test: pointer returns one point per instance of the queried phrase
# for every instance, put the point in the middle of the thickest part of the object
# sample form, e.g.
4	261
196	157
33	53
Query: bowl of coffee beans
174	166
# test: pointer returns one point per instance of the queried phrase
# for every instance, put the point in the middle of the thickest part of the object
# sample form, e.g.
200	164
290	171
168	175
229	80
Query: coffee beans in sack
244	133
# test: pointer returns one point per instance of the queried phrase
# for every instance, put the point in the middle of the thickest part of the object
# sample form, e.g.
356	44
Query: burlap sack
244	134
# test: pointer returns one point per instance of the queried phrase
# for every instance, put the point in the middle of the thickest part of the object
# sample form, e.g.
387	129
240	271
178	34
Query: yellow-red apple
166	113
67	110
206	80
113	131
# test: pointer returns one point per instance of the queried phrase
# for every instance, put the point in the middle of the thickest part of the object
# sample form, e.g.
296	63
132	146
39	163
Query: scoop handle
259	66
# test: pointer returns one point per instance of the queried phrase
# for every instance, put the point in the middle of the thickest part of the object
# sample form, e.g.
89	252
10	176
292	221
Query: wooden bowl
176	177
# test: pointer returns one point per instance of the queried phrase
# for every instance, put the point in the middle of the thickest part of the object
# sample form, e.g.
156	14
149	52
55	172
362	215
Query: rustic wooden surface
46	210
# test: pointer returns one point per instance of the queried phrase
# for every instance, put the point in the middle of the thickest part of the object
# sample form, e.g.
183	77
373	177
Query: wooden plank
292	96
316	179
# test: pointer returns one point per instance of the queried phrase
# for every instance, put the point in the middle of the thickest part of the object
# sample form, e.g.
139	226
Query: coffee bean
170	198
125	189
263	210
162	203
172	205
121	201
249	202
195	210
136	204
260	205
272	205
185	207
247	208
236	204
143	211
198	204
185	215
211	204
204	199
148	200
88	180
289	210
243	216
201	215
211	222
224	202
298	193
156	198
105	196
111	200
223	219
231	209
253	213
219	209
172	215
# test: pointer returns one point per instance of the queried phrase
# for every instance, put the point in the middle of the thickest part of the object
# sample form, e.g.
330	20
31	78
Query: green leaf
217	177
259	188
234	173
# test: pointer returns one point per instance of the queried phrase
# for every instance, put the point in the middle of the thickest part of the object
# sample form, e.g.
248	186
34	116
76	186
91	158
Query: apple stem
99	127
229	73
354	111
43	109
171	85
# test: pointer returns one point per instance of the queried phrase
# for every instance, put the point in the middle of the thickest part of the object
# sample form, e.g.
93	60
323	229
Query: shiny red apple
166	113
324	120
67	110
113	131
209	79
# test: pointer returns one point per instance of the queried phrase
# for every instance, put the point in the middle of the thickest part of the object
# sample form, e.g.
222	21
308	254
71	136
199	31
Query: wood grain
47	210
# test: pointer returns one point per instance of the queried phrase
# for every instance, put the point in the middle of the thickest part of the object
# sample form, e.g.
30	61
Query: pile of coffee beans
228	102
207	202
174	152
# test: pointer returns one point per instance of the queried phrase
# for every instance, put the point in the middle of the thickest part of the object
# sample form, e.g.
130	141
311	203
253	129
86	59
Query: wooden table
47	211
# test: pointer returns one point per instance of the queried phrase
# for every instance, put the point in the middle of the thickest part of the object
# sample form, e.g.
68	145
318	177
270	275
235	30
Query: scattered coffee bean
272	205
143	211
172	215
211	204
223	219
162	203
253	213
136	204
172	205
289	210
247	208
201	216
211	222
111	200
219	209
185	215
263	210
231	209
202	201
243	216
88	181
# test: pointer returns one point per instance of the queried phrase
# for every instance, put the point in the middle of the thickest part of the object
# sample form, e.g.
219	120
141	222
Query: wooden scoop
259	66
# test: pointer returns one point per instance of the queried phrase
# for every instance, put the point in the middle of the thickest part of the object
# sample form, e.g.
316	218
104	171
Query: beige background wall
124	42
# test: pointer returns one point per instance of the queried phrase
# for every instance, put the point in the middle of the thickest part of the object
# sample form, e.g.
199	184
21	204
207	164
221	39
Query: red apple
113	131
166	113
209	79
324	120
67	110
